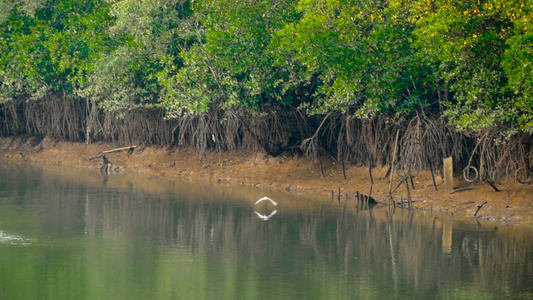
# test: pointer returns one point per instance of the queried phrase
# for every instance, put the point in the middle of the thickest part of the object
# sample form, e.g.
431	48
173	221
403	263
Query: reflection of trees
306	250
329	253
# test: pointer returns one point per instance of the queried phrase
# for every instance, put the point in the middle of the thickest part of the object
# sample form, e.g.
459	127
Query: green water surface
68	236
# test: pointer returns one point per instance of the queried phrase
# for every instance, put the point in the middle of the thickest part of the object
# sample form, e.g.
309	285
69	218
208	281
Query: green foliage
481	52
518	62
360	55
20	55
146	36
228	64
49	46
27	7
470	60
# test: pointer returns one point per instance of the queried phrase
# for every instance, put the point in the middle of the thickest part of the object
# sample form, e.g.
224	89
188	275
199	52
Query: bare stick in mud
479	207
432	173
389	197
321	167
393	160
344	168
409	202
371	179
397	187
492	185
386	173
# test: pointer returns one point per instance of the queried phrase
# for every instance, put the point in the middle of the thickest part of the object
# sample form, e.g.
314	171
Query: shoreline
513	205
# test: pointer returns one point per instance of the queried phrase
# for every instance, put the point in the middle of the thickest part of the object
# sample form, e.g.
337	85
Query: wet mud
511	205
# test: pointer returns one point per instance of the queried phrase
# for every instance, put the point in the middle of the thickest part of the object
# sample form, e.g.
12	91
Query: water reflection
124	240
447	230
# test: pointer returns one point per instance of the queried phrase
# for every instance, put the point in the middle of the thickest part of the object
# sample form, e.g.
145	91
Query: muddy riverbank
512	205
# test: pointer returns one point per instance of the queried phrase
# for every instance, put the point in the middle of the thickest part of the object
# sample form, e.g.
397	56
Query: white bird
265	218
266	198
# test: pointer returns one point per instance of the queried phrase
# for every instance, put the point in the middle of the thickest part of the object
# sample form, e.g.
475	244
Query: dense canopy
470	61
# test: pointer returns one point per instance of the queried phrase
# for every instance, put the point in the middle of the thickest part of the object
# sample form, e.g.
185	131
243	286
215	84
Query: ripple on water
11	239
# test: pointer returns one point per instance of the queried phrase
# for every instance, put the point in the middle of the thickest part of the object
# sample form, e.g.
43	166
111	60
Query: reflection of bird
266	198
265	218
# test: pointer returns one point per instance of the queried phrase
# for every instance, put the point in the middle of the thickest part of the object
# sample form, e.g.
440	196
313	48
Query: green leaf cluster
49	46
481	52
359	54
228	63
145	36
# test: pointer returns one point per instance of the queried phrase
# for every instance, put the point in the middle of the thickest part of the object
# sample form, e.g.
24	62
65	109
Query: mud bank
512	205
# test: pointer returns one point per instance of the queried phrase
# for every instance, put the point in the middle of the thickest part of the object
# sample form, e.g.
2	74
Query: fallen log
104	153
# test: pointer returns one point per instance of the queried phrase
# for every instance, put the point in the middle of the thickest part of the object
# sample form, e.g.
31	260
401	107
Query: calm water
65	234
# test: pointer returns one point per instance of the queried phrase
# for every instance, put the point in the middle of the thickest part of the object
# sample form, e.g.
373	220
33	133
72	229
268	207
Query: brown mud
512	205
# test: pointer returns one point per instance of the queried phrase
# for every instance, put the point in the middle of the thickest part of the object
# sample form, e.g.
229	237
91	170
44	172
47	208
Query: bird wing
266	198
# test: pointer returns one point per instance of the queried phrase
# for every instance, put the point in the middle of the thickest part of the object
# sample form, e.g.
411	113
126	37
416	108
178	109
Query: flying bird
266	198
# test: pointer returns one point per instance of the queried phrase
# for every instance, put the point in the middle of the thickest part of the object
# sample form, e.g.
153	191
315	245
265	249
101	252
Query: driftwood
104	153
458	190
479	207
